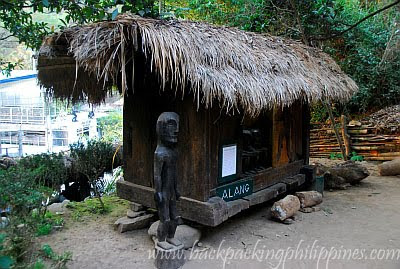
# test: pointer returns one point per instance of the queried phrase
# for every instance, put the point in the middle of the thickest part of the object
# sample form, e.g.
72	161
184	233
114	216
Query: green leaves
59	261
18	16
18	191
356	158
359	52
47	251
48	169
111	127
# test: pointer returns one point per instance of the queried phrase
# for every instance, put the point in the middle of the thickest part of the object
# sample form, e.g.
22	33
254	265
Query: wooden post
306	132
327	105
345	135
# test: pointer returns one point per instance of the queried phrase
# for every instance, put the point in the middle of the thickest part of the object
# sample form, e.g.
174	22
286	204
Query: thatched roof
233	68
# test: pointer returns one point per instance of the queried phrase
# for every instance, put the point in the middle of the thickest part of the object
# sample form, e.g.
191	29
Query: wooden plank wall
140	116
289	131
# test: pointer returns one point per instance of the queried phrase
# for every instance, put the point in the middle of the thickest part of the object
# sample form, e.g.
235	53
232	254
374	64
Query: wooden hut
242	99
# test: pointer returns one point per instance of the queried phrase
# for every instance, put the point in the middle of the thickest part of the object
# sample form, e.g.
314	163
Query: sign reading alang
235	190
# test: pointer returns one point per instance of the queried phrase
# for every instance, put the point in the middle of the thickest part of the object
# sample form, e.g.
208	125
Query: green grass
45	225
114	206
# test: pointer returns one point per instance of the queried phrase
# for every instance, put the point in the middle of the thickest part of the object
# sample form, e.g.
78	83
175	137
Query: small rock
288	221
353	207
306	210
295	217
20	226
125	224
184	233
135	207
58	207
4	222
132	214
316	209
57	228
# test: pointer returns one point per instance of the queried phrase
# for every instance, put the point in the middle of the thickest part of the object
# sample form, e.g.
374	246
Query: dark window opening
257	144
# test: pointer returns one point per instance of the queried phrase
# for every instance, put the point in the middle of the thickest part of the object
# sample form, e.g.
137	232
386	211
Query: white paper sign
229	160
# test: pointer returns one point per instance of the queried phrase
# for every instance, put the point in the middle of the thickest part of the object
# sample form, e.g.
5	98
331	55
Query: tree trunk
309	198
346	136
286	207
390	168
336	131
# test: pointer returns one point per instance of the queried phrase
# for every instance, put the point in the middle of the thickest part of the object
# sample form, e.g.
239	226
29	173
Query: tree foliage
48	169
111	127
20	18
92	159
369	53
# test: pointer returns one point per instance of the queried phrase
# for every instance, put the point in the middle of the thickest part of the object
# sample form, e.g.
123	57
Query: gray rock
125	224
184	233
135	207
306	210
288	221
132	214
316	208
58	207
4	221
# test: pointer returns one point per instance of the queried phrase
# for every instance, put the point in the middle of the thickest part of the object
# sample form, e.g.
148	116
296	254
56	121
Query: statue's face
168	127
171	131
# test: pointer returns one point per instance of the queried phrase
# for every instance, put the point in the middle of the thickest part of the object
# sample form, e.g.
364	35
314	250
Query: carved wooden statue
165	180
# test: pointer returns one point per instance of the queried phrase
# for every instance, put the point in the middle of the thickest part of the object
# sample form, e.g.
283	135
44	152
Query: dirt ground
356	228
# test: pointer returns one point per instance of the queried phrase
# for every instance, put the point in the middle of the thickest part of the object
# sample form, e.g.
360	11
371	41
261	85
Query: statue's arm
177	194
158	166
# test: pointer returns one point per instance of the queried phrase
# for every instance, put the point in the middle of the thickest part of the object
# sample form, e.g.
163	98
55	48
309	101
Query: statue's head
168	127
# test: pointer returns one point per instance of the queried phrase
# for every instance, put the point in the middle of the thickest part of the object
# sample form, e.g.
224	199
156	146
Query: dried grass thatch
237	69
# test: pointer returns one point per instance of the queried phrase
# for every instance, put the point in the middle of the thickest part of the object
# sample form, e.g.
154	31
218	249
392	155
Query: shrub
48	169
27	216
92	160
19	191
58	261
355	157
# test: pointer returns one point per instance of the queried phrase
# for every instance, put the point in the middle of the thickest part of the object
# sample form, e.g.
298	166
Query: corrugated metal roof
18	75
